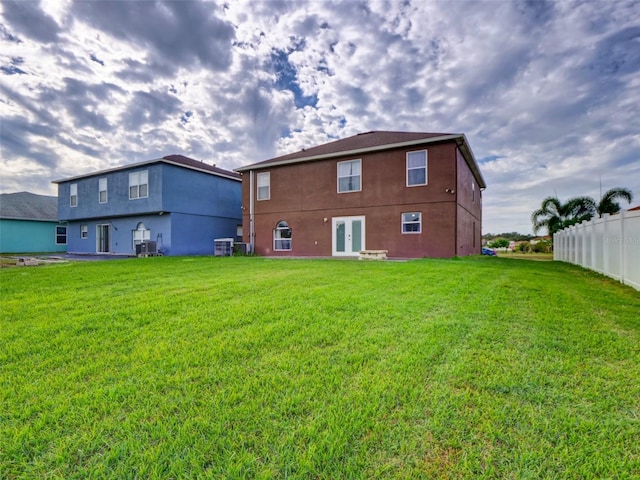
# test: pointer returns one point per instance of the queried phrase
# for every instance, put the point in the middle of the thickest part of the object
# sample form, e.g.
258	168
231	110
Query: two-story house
412	194
180	203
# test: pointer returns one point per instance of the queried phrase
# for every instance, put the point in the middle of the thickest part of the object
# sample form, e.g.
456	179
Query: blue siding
186	209
121	233
118	202
186	191
194	234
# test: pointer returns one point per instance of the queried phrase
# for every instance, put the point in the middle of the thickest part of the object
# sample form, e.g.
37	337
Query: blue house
177	202
29	224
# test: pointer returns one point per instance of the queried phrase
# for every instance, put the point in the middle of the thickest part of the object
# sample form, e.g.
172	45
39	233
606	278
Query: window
139	184
473	191
84	231
416	168
282	236
140	234
73	193
61	235
349	174
102	190
264	186
412	222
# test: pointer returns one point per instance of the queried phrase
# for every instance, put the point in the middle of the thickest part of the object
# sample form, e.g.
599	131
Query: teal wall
28	236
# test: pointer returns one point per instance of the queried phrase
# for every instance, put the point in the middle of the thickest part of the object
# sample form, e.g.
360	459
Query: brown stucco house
412	194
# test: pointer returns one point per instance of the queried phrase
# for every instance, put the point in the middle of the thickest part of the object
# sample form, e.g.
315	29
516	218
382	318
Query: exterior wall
194	234
29	236
121	233
469	210
304	194
118	203
185	210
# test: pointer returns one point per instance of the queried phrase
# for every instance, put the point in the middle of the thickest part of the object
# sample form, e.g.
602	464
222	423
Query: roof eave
388	146
141	164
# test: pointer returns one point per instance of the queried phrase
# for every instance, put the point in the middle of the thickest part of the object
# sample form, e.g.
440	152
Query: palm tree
555	215
608	204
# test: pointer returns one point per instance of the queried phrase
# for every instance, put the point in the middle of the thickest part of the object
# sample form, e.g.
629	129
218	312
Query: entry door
102	238
348	236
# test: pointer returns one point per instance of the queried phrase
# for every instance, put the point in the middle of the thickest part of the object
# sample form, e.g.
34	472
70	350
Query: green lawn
263	368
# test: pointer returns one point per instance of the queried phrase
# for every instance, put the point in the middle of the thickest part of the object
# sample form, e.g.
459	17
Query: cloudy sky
548	93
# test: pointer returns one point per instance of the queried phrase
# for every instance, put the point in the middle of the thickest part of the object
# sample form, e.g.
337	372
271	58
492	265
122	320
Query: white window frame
263	184
61	234
411	222
425	167
73	195
140	234
279	238
84	231
102	188
138	180
359	175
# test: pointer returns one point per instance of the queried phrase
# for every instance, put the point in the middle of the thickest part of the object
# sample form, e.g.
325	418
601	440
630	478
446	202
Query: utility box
147	248
223	247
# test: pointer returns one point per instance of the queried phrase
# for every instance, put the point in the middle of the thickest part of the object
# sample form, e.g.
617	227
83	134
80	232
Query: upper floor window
416	168
139	184
412	222
282	236
473	191
73	194
61	235
349	176
264	186
102	188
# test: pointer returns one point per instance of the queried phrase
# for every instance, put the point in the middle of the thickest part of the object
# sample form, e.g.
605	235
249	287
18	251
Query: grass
527	256
258	368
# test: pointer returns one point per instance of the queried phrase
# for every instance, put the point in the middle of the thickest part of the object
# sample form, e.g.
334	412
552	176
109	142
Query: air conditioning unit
147	247
241	248
223	247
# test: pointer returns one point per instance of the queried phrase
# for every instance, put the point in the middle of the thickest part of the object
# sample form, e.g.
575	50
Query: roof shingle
28	206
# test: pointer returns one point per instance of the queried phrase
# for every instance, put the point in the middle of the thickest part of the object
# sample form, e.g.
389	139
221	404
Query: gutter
357	151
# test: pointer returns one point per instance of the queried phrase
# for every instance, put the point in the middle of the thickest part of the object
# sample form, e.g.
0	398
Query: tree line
556	215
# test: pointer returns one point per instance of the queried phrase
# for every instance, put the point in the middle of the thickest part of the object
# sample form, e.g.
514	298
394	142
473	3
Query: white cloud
546	91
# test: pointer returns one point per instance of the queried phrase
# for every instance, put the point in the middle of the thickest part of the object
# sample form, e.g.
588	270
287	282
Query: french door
348	236
102	238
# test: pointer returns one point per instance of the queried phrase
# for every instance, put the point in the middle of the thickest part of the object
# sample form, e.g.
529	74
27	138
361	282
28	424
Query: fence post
623	249
593	244
605	250
584	243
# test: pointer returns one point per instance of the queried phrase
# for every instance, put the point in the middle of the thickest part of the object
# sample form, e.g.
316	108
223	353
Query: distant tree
499	243
555	215
608	204
524	247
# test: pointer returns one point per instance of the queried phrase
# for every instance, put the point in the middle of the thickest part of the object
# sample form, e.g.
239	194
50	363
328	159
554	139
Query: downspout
251	206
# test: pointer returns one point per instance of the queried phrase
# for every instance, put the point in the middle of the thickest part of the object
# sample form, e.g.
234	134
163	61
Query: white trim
263	175
106	190
290	238
138	174
73	188
338	177
86	230
351	153
426	168
142	164
403	223
348	224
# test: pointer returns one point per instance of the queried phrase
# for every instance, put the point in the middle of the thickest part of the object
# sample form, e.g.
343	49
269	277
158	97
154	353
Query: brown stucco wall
305	194
469	210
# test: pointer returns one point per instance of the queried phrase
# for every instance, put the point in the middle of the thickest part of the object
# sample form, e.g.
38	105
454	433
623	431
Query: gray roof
370	142
28	206
179	160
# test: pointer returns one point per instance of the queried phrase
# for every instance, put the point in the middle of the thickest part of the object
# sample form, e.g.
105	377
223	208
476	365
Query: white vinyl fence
609	245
